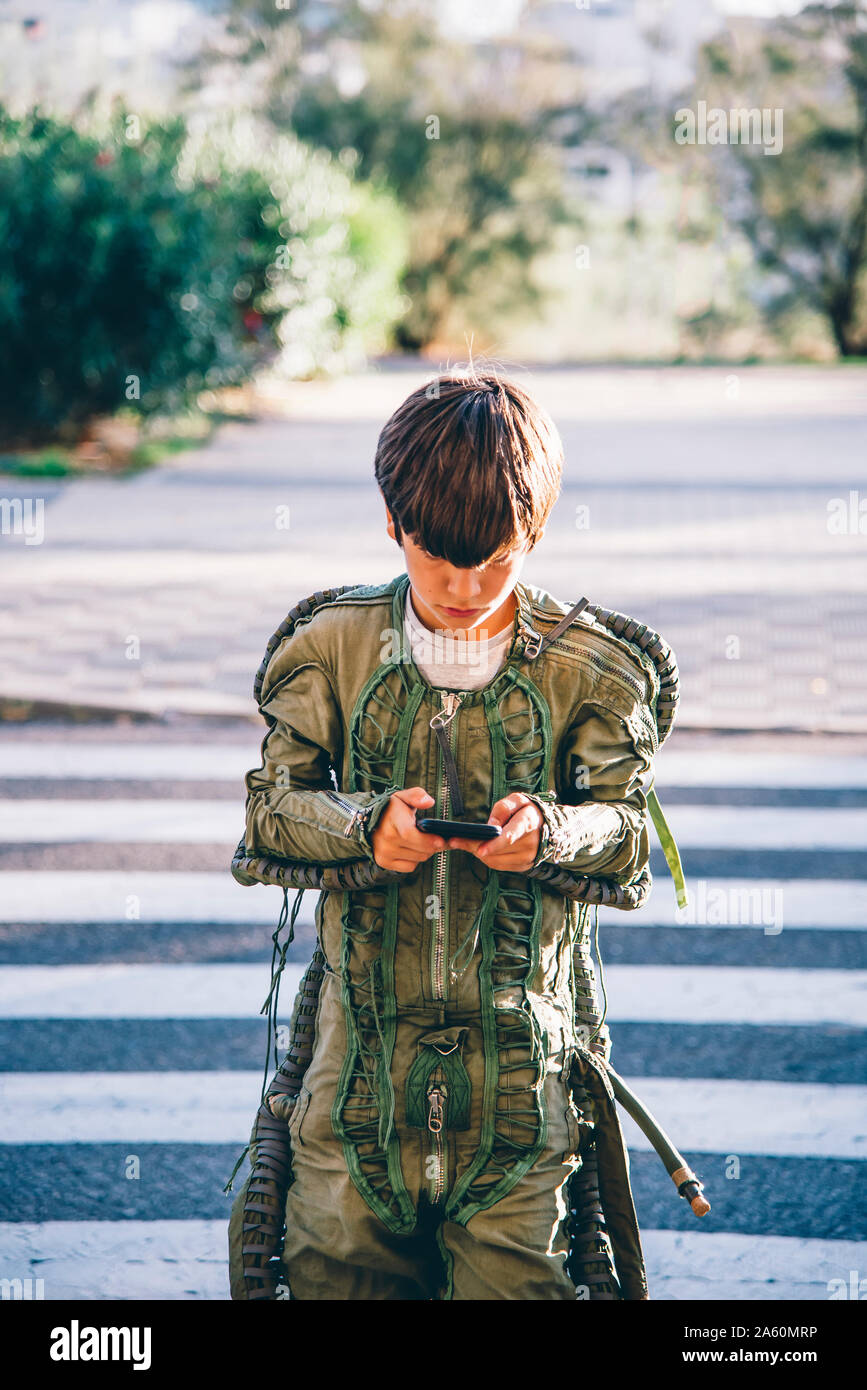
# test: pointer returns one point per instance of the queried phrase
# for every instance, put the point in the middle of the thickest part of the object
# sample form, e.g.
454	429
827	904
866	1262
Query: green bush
325	264
141	266
110	288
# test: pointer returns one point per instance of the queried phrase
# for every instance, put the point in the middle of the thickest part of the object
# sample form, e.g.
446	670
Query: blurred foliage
399	184
111	279
141	264
467	136
323	252
64	463
804	210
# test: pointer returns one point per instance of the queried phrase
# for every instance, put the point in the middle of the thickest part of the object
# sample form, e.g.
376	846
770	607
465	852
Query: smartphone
460	830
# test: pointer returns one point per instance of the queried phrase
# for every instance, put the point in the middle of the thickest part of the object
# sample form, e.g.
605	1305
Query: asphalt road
132	967
142	1038
735	525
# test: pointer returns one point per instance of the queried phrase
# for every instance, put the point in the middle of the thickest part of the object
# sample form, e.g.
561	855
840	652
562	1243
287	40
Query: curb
22	710
161	708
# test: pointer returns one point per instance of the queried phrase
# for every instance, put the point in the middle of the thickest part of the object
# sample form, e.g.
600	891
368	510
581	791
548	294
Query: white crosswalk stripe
703	768
118	1260
153	895
104	822
688	1265
217	761
83	895
637	993
713	1116
213	822
138	991
113	762
186	1260
213	1107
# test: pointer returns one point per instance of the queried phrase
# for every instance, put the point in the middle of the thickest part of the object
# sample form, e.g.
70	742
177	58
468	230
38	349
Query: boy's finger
506	836
503	810
416	797
509	843
407	830
498	855
471	845
412	838
407	833
418	852
521	824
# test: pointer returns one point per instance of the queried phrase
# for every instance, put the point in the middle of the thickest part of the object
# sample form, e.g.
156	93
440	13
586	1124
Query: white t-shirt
448	660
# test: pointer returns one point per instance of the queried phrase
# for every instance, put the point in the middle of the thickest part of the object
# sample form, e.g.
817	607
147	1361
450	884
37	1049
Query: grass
50	463
56	461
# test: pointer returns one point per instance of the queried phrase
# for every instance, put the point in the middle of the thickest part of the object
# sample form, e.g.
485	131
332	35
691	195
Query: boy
435	1132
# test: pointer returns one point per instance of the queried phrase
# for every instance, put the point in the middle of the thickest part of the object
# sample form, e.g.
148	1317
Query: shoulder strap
638	635
303	609
537	645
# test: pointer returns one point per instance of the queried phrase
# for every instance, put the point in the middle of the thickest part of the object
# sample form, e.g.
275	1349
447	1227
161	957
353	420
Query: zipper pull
356	812
436	1097
451	703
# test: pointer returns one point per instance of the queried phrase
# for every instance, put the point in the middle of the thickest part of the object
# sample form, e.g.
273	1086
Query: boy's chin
453	624
461	617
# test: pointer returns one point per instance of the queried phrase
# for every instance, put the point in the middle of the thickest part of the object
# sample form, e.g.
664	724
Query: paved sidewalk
721	507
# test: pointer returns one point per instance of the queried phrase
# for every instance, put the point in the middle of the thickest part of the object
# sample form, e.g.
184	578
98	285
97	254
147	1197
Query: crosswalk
133	968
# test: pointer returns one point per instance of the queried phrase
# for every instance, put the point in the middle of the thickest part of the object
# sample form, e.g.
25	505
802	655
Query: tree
109	288
467	135
142	262
804	210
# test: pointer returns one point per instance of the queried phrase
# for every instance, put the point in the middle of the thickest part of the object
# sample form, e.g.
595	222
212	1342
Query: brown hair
469	465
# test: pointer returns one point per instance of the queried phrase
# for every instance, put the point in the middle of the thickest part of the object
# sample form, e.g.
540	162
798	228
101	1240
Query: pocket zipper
356	812
436	1096
602	665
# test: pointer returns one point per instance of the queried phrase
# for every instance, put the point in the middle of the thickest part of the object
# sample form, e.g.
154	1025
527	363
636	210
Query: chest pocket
439	1077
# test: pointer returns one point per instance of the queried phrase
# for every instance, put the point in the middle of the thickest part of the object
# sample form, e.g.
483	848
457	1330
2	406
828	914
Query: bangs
469	472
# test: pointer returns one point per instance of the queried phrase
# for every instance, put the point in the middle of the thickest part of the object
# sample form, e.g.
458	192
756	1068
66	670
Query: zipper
355	812
602	665
650	725
437	1094
629	681
443	718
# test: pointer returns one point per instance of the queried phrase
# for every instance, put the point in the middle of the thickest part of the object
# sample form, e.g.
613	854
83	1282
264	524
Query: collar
525	638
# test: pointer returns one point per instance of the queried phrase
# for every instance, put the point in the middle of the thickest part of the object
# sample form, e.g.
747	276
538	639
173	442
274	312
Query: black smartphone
458	829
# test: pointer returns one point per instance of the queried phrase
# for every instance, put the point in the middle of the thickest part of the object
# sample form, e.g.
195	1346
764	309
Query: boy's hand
515	849
398	844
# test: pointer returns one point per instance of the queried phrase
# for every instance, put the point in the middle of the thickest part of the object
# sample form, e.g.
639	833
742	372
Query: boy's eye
489	564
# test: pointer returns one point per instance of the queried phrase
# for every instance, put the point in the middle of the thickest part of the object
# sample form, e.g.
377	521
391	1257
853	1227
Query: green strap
669	848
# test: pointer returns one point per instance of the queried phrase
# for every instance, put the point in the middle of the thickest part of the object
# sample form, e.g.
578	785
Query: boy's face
478	602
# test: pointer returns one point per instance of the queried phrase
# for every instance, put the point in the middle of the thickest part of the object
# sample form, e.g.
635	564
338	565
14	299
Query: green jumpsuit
435	1131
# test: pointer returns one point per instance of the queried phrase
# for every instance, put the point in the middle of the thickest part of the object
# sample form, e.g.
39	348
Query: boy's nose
464	585
464	590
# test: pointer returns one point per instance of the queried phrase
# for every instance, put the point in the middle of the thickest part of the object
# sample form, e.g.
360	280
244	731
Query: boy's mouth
460	612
